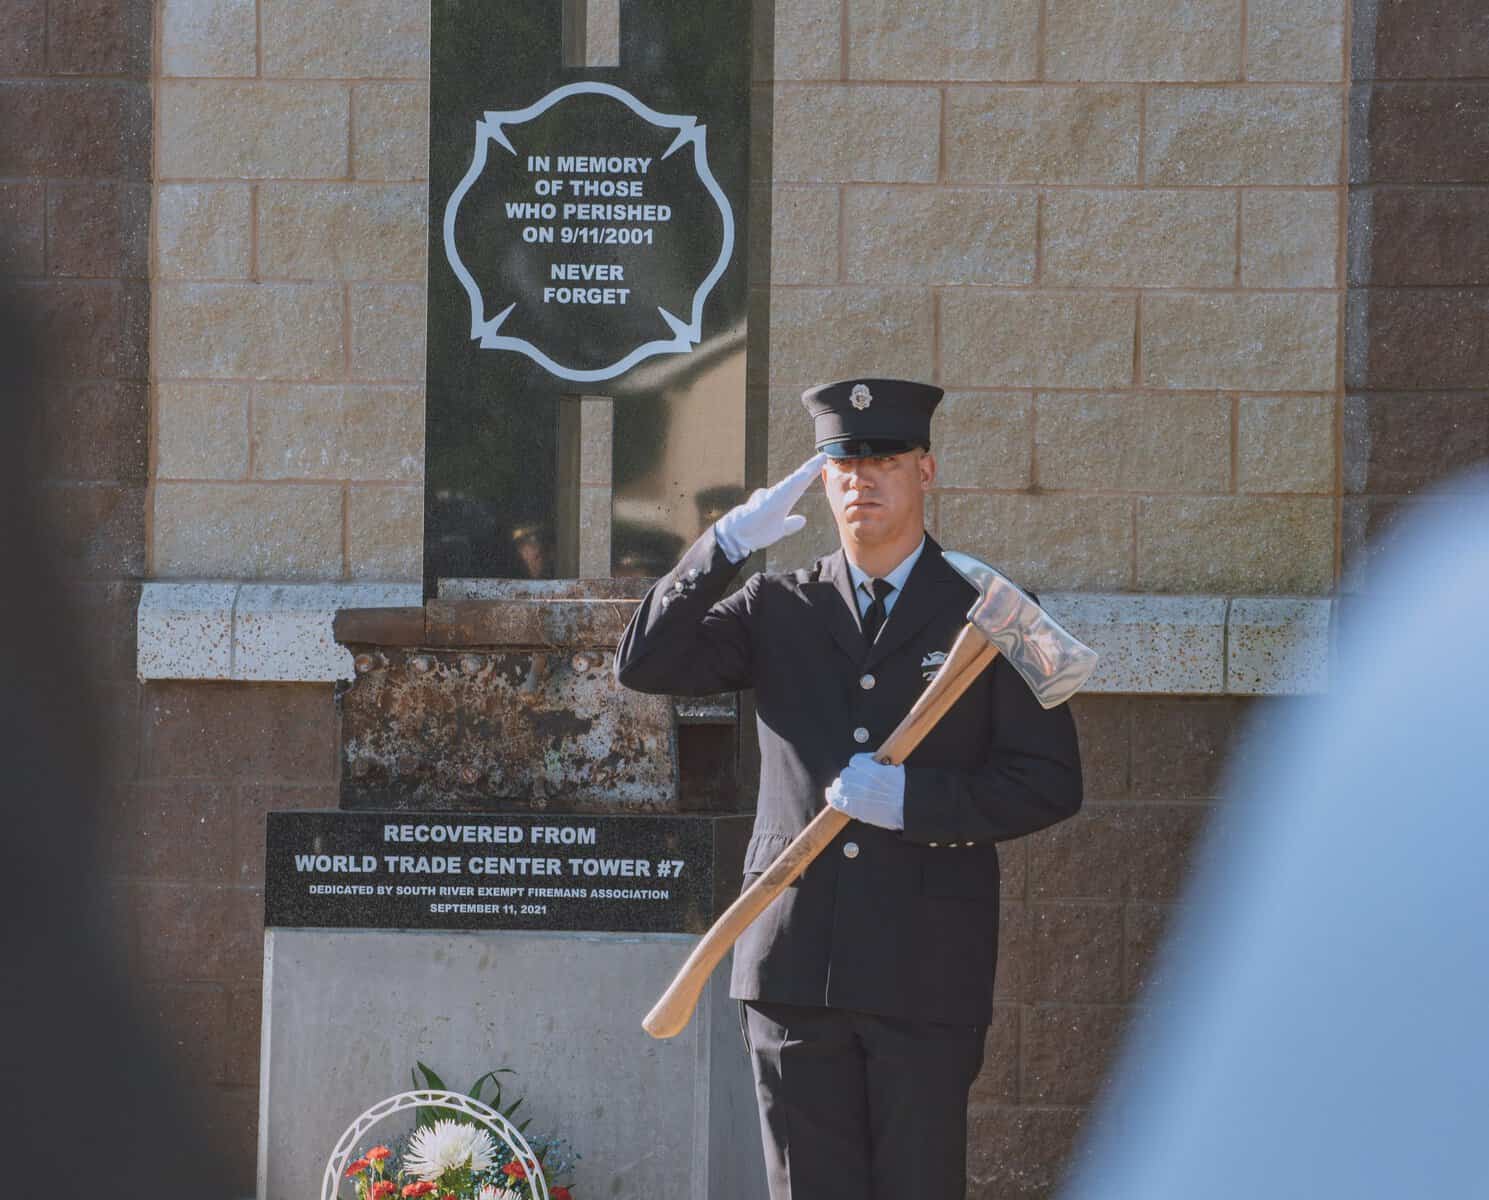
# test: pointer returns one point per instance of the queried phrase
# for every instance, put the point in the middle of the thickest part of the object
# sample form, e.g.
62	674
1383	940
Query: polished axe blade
1053	662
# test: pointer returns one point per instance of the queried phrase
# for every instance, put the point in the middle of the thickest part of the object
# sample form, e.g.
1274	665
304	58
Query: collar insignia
931	663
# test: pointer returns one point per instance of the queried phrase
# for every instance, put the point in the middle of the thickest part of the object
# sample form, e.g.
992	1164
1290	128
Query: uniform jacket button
867	682
692	572
850	849
860	735
933	844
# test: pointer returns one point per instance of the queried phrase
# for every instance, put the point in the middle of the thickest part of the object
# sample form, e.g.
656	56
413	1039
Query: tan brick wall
289	260
1111	232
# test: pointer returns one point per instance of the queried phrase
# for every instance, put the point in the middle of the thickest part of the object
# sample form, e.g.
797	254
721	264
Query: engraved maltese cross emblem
860	397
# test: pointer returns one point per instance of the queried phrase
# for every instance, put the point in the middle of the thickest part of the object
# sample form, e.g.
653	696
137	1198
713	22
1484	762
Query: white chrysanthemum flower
495	1193
446	1145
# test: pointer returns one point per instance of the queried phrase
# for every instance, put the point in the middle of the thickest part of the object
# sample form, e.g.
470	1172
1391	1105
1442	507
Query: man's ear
927	466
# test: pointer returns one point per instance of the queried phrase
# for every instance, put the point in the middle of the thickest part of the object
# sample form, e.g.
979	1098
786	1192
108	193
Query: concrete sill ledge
259	631
1163	645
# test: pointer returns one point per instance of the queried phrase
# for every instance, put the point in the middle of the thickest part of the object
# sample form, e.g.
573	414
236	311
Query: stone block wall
74	198
186	772
1417	409
75	194
1084	907
1113	234
289	259
188	829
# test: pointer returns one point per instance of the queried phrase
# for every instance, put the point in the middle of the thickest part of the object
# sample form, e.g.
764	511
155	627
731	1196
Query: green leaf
480	1083
435	1082
425	1115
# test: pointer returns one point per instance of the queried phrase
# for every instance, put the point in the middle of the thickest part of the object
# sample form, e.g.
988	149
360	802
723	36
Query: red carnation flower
422	1188
515	1170
360	1165
377	1154
383	1187
560	1193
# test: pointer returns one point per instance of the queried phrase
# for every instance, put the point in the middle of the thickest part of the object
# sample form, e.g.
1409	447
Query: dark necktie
873	616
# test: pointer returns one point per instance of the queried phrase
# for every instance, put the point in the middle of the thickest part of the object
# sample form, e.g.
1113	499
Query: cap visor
867	447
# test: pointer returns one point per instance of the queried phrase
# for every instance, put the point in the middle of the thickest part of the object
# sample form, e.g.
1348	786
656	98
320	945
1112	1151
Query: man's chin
864	529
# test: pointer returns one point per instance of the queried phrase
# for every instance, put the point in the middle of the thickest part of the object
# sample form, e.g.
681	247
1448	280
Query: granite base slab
347	1013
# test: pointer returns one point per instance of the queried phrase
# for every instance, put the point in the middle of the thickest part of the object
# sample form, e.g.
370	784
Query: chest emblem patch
931	663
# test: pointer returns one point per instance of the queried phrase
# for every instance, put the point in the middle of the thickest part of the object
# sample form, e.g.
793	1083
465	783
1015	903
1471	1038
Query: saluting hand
870	791
766	517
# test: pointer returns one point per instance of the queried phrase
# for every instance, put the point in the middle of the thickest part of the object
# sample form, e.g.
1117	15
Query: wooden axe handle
969	655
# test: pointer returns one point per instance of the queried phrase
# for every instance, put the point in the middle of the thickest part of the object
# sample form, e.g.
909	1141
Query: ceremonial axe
1003	620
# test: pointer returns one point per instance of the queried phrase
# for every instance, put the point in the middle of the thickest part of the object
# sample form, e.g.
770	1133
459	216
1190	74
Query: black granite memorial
587	322
524	851
587	239
459	871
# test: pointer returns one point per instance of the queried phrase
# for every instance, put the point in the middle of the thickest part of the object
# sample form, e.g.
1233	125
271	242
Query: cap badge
860	397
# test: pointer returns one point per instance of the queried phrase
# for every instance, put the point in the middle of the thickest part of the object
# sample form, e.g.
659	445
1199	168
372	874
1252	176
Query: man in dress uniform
867	986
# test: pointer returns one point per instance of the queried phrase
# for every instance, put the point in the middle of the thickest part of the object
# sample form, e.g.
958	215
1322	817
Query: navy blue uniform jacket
907	927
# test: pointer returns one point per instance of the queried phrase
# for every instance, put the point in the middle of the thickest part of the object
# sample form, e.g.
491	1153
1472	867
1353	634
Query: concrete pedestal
348	1012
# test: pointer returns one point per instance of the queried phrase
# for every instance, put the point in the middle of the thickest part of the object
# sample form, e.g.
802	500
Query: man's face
879	500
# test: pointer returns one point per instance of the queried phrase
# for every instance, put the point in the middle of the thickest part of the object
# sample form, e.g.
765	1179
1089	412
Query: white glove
869	791
766	517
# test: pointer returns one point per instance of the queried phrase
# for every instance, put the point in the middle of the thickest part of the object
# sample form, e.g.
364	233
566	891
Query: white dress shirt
863	582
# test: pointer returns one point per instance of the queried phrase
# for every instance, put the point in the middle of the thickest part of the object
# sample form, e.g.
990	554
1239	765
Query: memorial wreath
451	1153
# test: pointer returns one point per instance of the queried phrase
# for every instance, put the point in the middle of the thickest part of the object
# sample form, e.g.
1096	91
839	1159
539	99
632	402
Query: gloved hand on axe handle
766	517
870	791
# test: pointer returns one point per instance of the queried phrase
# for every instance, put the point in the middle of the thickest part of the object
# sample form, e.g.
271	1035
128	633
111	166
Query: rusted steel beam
545	624
509	703
379	626
426	728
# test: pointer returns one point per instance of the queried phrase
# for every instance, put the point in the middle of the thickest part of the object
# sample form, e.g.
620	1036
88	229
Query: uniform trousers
855	1106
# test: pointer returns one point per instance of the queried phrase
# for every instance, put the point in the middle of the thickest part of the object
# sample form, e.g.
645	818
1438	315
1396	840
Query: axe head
1053	662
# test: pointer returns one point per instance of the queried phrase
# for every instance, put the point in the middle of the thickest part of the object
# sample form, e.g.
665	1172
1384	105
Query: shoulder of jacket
811	574
787	579
807	574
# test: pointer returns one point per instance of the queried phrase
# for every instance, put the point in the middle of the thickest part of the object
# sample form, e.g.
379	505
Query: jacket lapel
925	595
831	596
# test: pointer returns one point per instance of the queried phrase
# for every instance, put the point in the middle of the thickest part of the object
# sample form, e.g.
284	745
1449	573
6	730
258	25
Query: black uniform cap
864	418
